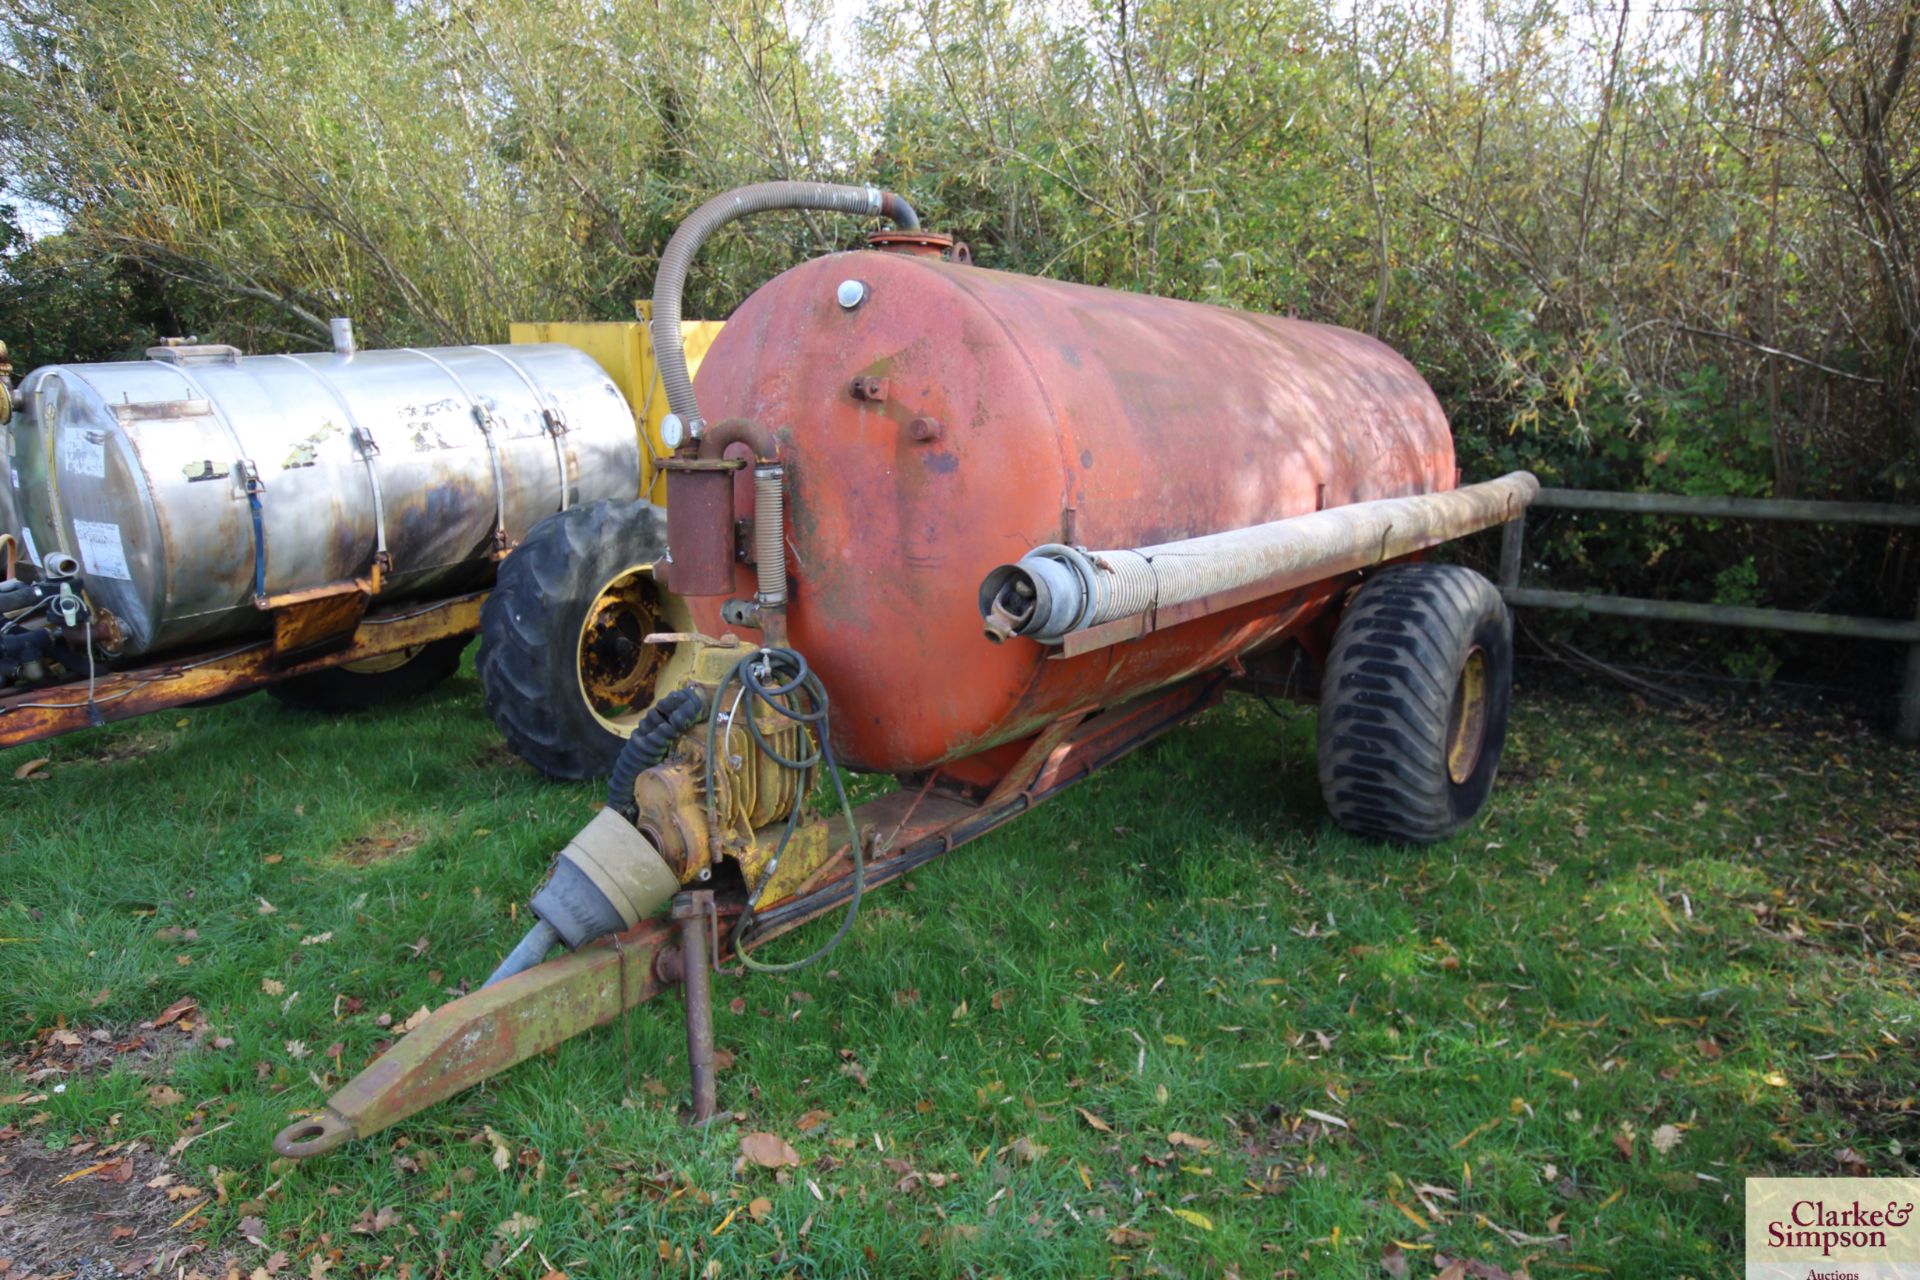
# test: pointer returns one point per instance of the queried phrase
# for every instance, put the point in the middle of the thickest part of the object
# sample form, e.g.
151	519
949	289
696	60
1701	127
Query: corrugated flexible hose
761	197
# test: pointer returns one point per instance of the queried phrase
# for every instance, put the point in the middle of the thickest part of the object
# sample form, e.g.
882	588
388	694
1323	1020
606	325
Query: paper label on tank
82	454
100	549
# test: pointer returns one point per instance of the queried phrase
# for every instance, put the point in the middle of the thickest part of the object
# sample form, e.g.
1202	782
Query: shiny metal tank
151	471
1005	412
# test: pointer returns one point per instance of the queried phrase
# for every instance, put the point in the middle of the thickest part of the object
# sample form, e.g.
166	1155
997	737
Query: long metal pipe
1056	590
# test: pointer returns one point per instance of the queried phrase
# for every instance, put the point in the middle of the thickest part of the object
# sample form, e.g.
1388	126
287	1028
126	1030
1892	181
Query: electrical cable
769	676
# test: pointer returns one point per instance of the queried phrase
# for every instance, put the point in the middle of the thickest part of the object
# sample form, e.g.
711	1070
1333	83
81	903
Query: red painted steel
1066	414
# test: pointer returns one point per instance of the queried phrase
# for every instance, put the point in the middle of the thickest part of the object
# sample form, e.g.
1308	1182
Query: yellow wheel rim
1467	722
615	666
384	662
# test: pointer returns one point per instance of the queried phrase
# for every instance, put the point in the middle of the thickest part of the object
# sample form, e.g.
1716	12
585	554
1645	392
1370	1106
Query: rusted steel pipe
692	911
724	435
1056	590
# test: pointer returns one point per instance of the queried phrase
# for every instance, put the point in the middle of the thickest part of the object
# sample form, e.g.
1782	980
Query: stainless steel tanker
198	487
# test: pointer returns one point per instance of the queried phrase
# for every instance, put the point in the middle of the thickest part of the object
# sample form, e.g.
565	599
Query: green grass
1704	923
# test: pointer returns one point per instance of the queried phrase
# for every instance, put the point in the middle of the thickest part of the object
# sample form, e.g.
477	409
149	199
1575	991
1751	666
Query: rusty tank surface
988	534
955	417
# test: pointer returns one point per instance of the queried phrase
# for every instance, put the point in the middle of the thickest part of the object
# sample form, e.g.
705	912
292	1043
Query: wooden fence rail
1896	631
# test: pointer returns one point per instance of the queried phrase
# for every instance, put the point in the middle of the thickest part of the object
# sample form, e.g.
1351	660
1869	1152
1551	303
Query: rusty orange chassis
487	1031
30	715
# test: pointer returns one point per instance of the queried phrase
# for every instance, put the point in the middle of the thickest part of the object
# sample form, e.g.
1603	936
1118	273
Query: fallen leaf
812	1120
1026	1150
373	1222
297	1049
175	1011
418	1016
1666	1138
1393	1261
315	939
759	1208
1197	1218
1129	1238
768	1150
502	1154
1190	1142
254	1229
1094	1122
517	1225
32	767
161	1095
266	908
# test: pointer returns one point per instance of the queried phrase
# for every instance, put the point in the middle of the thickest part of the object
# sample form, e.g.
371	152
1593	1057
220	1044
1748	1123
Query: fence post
1513	538
1907	728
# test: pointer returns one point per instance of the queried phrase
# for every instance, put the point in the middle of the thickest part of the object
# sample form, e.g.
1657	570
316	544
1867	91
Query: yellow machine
624	348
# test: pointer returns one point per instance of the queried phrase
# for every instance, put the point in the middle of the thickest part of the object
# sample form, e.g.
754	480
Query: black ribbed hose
762	197
652	739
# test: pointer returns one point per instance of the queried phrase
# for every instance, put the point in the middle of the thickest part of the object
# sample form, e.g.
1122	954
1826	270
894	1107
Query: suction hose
610	875
762	197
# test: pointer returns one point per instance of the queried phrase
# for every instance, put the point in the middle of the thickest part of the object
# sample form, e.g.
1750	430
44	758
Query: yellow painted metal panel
624	348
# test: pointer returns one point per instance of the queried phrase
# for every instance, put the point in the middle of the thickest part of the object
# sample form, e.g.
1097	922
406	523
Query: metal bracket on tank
382	559
550	415
484	417
252	488
557	429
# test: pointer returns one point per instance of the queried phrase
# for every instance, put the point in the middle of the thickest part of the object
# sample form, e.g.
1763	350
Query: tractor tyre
563	658
374	682
1413	706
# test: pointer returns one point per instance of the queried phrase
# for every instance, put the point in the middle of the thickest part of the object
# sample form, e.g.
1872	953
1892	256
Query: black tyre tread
530	623
1388	692
340	692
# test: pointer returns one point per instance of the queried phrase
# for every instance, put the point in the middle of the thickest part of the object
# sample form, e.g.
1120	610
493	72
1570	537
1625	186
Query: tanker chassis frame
489	1030
300	628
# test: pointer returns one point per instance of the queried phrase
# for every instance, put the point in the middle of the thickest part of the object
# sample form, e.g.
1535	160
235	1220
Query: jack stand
694	912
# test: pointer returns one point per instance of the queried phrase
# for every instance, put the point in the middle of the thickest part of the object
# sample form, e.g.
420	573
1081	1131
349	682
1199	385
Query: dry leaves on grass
1093	1121
516	1226
502	1153
372	1222
768	1150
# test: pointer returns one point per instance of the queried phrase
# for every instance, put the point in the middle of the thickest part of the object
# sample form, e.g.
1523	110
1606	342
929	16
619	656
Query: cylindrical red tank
995	412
